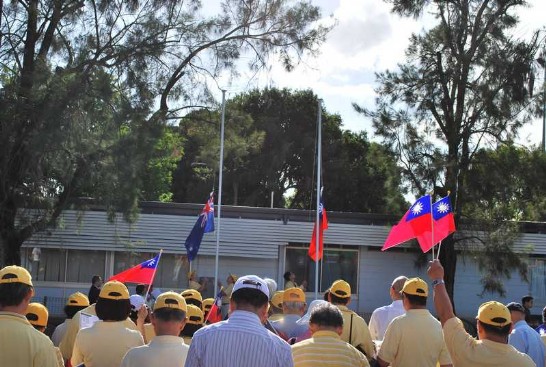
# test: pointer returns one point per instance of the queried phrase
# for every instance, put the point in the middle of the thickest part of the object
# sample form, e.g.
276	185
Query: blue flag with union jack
204	224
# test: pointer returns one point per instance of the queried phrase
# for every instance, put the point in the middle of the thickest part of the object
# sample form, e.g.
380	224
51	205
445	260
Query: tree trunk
448	258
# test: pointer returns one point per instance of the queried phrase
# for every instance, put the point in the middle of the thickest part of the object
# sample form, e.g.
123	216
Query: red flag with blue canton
444	224
323	225
204	224
413	224
215	312
143	273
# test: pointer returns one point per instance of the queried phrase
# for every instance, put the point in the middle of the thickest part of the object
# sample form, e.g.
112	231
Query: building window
46	264
83	264
337	263
537	280
171	271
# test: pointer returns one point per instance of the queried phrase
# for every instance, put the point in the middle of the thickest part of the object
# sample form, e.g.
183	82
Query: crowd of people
260	327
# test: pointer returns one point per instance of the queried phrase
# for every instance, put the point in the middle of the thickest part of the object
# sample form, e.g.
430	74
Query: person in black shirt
95	289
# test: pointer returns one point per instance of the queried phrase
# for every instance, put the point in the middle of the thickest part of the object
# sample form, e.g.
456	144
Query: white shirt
59	332
240	341
162	351
382	317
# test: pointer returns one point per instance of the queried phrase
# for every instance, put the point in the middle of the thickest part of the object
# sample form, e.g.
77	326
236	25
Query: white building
262	241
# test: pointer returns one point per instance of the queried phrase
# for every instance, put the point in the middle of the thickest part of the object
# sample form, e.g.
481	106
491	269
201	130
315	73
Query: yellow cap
494	313
114	290
341	289
293	295
277	299
15	274
77	299
195	315
416	287
207	304
192	294
234	277
37	314
170	300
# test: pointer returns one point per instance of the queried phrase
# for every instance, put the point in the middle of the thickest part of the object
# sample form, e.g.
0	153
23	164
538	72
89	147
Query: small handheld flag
142	273
215	314
323	225
443	226
204	224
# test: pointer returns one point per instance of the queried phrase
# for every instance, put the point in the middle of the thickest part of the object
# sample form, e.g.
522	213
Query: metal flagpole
432	226
219	191
317	219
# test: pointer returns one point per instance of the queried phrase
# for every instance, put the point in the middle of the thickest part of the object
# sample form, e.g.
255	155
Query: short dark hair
70	311
544	315
95	278
338	300
501	331
140	289
250	297
287	275
526	299
326	295
169	314
190	329
326	315
112	310
12	294
416	300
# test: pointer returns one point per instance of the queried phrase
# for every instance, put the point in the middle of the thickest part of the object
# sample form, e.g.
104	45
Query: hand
142	314
435	270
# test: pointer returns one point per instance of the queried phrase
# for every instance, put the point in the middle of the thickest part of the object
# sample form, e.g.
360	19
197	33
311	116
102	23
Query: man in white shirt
167	348
382	316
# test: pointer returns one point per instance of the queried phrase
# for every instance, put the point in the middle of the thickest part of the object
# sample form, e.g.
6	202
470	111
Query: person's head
75	302
16	289
289	276
527	302
326	295
193	297
231	278
276	302
494	322
195	320
141	289
396	287
293	302
192	275
414	293
136	301
250	293
37	315
169	314
340	293
113	303
271	285
96	281
517	312
326	317
207	305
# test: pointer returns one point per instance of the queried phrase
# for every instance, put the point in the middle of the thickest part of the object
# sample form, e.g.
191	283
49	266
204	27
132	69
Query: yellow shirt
104	344
360	335
162	351
67	343
60	360
194	285
290	284
227	291
22	345
326	349
414	339
466	351
149	332
187	340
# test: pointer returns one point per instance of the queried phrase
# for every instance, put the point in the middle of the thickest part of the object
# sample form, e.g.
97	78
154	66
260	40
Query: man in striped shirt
325	348
242	340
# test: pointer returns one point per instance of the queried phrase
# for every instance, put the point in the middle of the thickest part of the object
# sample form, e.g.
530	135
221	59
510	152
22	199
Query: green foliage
464	83
271	146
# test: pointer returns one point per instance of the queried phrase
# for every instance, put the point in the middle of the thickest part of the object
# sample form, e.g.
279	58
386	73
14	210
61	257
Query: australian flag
204	224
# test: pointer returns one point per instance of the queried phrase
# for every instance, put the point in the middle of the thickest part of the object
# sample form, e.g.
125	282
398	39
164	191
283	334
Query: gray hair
272	285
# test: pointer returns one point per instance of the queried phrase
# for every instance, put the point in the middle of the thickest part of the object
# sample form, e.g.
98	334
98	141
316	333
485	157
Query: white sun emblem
417	208
443	208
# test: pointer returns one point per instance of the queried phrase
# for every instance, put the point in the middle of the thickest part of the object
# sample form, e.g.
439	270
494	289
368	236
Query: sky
368	38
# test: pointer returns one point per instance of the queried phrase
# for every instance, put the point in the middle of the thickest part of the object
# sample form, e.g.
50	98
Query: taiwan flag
444	224
323	225
413	224
215	312
143	273
204	224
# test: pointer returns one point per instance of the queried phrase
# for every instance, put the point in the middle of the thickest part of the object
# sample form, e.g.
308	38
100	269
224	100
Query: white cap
252	282
136	301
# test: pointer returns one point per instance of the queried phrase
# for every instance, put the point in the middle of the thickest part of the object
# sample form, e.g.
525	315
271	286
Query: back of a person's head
70	311
286	275
95	279
417	301
271	285
15	286
141	289
327	316
113	303
398	283
338	300
169	314
190	329
249	297
526	299
498	331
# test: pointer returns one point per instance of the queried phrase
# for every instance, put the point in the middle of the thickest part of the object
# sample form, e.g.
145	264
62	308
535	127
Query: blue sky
367	39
